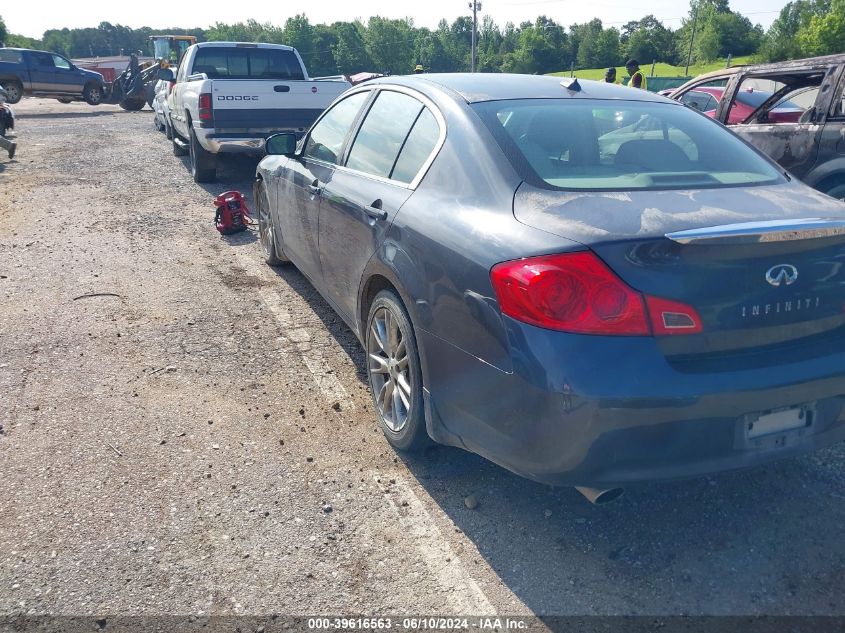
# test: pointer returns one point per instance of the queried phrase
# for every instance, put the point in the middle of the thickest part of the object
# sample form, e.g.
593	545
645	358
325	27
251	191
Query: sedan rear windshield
247	63
620	145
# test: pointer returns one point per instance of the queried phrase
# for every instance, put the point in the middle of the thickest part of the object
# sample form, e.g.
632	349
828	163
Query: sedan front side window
326	139
396	139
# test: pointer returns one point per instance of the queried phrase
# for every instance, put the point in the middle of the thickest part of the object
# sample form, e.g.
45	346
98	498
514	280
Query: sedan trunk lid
764	267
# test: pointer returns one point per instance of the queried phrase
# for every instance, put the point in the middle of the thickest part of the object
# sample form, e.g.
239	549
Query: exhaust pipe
600	497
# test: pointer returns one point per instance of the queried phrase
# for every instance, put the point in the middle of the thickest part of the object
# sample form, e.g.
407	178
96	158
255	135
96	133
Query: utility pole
691	40
475	5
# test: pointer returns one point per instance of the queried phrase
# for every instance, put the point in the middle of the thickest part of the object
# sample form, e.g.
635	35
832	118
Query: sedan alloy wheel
266	228
394	372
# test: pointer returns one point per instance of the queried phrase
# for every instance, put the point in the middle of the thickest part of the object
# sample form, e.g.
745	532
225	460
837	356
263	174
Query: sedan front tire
266	228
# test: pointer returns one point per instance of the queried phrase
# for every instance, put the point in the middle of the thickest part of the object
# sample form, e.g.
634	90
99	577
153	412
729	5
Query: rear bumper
232	140
219	143
607	412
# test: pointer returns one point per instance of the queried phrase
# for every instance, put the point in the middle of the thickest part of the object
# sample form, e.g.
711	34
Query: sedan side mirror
165	74
283	144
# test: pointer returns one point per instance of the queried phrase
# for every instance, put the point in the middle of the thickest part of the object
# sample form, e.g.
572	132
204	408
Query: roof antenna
571	83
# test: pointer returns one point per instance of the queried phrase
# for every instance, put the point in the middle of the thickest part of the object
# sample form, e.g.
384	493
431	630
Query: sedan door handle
375	211
314	188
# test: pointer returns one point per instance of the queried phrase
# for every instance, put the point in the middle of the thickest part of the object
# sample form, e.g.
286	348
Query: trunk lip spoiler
762	231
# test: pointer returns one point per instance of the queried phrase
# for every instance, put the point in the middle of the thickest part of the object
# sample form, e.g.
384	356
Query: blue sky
33	18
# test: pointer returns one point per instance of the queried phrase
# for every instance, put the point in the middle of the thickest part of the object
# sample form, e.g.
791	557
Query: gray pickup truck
793	111
42	74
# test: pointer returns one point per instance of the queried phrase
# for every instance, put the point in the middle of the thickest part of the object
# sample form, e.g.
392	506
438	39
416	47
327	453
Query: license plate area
778	427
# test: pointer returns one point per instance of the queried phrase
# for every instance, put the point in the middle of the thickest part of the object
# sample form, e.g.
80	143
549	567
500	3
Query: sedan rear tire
393	370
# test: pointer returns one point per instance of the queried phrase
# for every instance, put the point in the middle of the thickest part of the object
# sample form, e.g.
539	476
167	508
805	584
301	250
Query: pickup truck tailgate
242	105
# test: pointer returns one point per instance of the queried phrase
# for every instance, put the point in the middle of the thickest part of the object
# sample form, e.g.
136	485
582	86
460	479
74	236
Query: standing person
418	69
637	76
610	76
6	116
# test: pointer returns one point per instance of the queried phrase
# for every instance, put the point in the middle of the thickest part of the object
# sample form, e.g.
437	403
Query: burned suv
793	111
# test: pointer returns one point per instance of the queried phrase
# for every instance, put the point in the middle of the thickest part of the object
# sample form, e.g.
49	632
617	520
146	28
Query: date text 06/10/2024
418	624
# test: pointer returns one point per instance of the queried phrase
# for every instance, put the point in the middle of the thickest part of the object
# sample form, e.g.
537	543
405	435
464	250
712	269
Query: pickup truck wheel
14	91
93	94
168	129
203	163
266	227
178	150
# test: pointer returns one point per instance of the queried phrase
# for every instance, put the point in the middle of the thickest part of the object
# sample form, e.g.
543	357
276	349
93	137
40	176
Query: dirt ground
188	431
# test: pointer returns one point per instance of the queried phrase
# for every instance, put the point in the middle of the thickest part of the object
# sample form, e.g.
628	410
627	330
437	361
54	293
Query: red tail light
672	317
206	112
577	292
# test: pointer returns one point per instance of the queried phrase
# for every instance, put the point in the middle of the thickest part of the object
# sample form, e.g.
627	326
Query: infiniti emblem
782	275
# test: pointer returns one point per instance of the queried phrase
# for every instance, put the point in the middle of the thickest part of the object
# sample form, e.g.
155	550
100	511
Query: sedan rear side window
418	147
383	133
599	145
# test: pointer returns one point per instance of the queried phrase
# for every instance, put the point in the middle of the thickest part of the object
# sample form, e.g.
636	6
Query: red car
706	98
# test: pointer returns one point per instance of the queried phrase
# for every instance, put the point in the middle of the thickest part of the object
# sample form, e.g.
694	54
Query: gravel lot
204	443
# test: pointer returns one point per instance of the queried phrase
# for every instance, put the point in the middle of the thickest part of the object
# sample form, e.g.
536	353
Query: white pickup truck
230	96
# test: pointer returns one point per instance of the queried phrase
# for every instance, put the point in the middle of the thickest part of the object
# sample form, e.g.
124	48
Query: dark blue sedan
588	284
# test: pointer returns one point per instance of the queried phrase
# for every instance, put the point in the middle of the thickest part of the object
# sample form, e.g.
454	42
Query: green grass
660	70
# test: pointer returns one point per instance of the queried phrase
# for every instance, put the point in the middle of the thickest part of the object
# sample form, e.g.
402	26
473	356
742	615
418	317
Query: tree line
710	31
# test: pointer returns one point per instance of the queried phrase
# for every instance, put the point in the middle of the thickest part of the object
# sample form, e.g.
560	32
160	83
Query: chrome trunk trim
766	231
